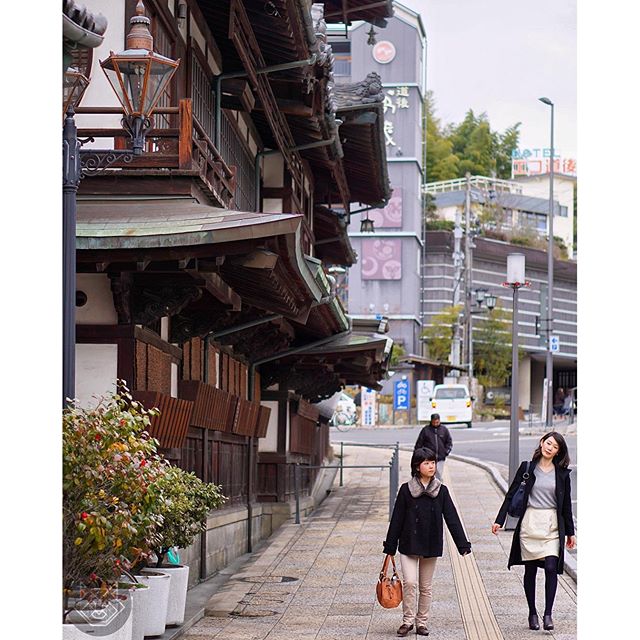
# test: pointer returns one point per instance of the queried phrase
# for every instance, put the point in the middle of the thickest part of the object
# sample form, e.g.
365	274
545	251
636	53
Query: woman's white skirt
539	534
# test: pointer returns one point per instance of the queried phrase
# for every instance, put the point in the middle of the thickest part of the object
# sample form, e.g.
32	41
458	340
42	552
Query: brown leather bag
389	590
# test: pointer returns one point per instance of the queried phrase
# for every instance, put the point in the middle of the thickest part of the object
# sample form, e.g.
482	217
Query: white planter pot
158	602
119	628
140	597
177	593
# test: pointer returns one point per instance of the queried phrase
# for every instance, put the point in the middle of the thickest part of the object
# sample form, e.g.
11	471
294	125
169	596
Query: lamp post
549	322
138	77
515	280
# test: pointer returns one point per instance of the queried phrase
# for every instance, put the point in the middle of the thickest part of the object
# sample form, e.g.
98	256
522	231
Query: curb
570	563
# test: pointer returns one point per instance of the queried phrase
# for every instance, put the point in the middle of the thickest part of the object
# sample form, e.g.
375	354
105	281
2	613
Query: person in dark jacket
416	531
436	436
539	536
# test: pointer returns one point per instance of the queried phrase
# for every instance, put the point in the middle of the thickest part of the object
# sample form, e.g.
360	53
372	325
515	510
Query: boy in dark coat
436	437
416	530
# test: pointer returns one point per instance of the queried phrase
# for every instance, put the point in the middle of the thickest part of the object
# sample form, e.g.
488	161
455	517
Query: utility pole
549	363
456	344
468	258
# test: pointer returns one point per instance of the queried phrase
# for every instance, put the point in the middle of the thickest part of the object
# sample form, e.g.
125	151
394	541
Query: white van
453	403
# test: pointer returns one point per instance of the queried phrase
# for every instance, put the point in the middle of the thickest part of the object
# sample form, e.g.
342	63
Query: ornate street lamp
490	300
138	76
366	225
73	88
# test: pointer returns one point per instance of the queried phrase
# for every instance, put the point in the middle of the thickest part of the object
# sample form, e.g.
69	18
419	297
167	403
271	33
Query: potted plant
111	516
186	501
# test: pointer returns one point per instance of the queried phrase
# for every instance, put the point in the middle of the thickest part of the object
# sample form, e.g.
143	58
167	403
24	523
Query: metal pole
341	460
296	488
71	173
549	364
468	257
514	432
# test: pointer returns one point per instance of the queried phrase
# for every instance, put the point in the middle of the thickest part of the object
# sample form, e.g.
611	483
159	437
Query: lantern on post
73	88
138	76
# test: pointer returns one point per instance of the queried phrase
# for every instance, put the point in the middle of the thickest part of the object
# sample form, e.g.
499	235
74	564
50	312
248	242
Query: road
485	441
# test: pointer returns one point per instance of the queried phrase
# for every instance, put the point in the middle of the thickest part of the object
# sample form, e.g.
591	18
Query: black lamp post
138	77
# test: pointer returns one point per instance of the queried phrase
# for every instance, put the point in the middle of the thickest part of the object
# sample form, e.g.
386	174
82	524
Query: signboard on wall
382	259
384	52
424	393
368	407
391	216
401	395
537	161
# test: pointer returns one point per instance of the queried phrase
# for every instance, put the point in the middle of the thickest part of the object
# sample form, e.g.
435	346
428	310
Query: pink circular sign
384	52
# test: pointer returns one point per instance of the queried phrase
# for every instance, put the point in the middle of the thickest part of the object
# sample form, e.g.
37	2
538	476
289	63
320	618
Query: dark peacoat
438	439
563	507
416	524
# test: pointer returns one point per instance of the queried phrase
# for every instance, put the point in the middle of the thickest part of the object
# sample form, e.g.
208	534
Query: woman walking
416	531
539	536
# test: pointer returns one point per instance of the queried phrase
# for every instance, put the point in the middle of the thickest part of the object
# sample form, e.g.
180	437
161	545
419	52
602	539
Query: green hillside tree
439	335
492	347
470	145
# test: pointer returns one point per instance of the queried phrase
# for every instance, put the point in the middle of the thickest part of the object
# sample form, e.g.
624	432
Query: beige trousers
417	577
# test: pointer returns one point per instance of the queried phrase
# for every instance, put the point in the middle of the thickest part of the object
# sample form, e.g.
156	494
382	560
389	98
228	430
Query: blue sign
401	396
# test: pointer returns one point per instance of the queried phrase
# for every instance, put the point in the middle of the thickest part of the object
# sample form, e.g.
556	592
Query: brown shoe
404	630
422	631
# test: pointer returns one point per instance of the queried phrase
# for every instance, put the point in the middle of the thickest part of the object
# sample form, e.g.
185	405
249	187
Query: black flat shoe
534	623
547	623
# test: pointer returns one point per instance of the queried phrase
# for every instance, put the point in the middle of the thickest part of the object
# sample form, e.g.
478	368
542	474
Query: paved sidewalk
317	580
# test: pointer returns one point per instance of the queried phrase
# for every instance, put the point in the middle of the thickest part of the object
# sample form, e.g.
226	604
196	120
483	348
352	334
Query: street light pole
468	259
515	280
549	323
70	181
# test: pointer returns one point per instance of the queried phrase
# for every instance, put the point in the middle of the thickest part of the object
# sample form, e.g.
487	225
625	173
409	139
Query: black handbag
517	505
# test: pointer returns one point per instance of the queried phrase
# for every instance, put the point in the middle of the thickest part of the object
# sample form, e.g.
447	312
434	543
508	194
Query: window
342	57
564	211
456	393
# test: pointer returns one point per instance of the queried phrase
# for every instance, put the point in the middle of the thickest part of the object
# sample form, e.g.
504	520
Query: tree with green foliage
471	146
492	347
439	335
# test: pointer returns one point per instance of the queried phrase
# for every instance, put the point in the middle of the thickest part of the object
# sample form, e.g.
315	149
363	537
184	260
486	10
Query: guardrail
393	465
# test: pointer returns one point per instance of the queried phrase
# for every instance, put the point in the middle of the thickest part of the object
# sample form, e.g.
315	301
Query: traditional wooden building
202	262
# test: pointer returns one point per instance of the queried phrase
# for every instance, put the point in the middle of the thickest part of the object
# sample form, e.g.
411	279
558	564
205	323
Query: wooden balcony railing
185	147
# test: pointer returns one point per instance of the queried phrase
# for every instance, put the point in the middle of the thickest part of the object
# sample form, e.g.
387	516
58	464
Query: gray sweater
543	492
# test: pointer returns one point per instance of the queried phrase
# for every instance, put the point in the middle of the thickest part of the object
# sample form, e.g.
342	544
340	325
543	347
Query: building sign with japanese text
395	100
537	161
368	402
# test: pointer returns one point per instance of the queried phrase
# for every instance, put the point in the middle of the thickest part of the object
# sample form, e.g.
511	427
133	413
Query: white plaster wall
99	308
174	380
96	371
273	170
270	441
99	92
272	205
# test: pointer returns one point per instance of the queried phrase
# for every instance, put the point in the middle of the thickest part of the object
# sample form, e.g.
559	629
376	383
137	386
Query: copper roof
155	223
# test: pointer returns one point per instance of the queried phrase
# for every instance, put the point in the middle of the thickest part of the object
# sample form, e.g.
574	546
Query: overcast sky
500	56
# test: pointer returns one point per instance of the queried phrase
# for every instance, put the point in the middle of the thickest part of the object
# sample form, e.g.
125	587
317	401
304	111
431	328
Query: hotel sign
384	52
537	161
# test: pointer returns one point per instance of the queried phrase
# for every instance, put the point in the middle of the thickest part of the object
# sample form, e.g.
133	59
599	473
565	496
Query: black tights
550	583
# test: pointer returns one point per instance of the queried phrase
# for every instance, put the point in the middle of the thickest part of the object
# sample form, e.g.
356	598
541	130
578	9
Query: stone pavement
317	580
